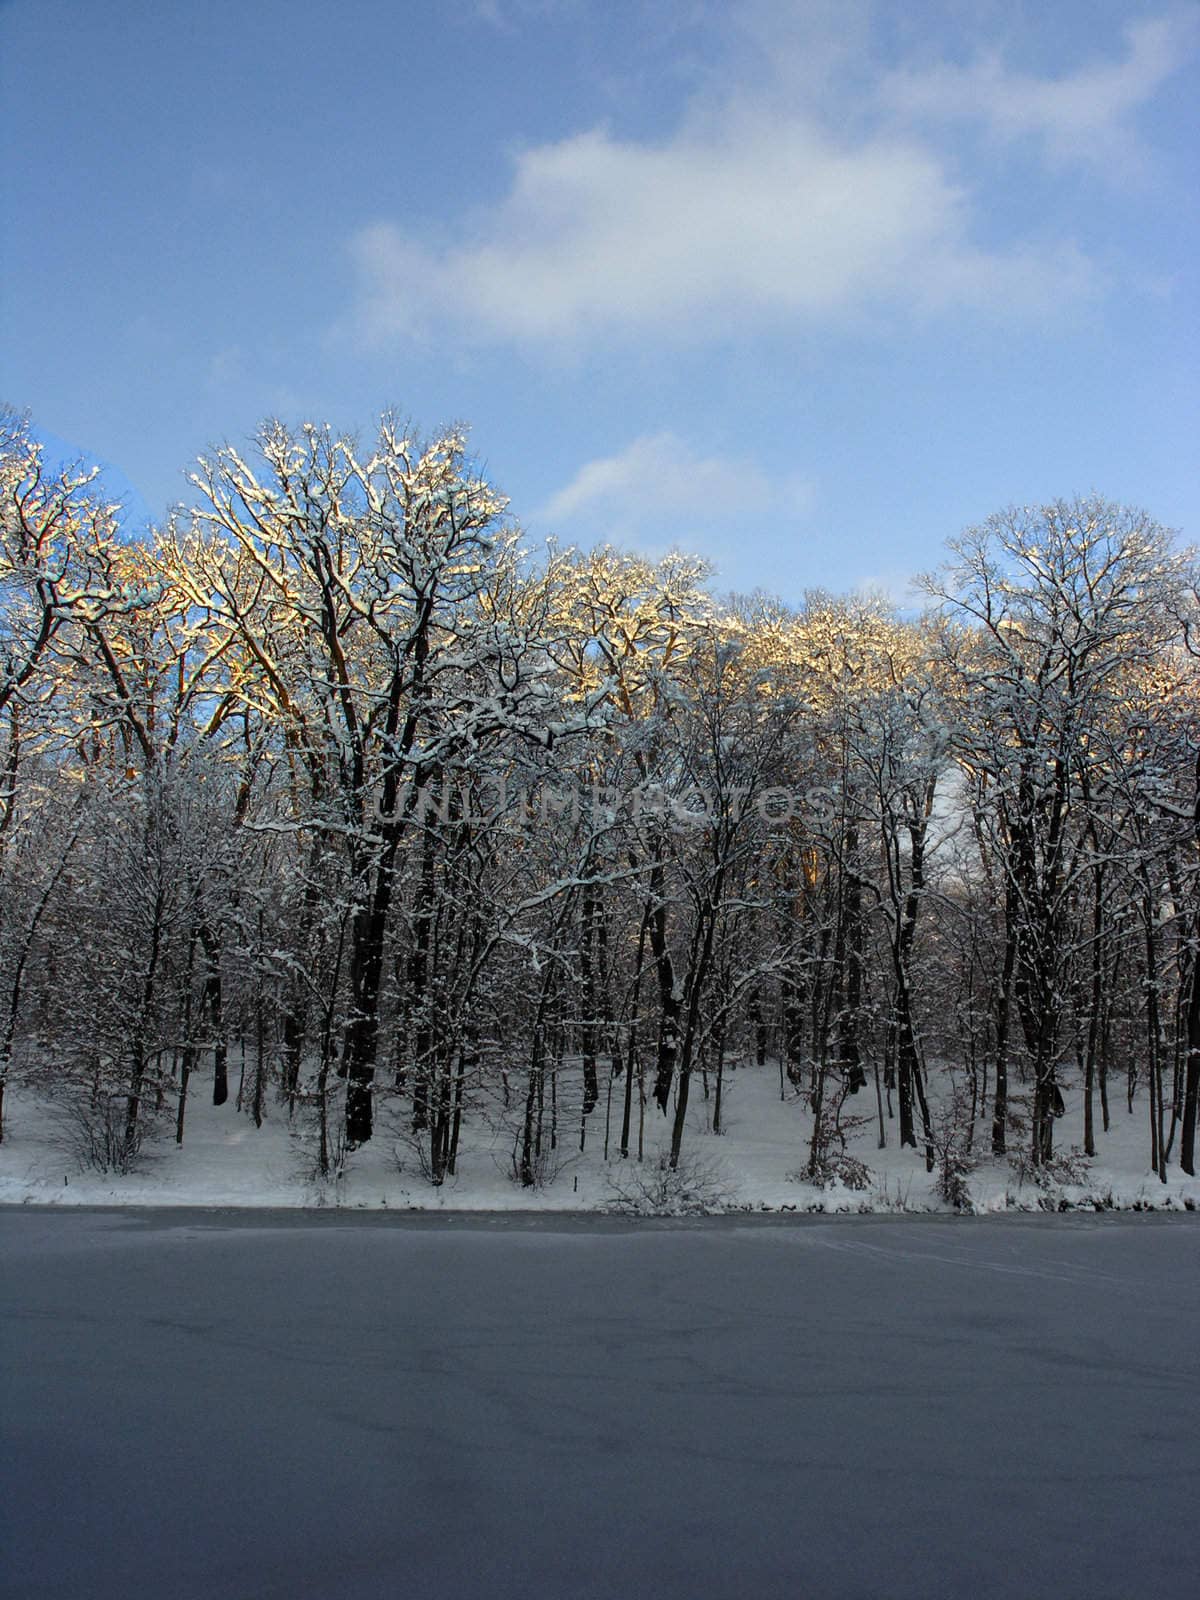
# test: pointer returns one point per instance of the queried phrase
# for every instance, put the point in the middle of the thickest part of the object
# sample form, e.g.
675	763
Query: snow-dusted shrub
96	1129
1067	1167
654	1188
950	1136
890	1194
836	1167
324	1151
829	1160
543	1166
954	1168
411	1149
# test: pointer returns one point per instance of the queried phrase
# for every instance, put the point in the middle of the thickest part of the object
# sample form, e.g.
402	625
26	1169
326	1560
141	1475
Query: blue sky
804	287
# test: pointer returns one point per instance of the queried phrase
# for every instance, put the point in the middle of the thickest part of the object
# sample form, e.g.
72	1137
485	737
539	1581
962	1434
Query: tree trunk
1191	1086
669	1004
587	1031
1003	1007
212	1003
368	934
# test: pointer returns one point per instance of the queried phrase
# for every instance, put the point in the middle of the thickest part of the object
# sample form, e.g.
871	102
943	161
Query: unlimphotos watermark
446	800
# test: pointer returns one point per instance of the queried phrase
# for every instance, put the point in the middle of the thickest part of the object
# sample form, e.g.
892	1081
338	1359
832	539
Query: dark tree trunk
587	1031
634	1024
1003	1007
794	1009
293	1025
368	935
759	1025
1158	1152
1191	1084
418	997
669	1004
1191	1087
139	1041
851	952
1096	1000
531	1131
212	1004
698	971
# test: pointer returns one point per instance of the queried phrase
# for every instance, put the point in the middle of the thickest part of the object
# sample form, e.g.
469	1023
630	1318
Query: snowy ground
226	1161
279	1407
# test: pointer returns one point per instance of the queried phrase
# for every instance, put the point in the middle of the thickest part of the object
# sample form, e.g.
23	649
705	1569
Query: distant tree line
327	790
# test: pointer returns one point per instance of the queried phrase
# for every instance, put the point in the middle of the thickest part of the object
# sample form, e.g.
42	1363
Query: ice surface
270	1407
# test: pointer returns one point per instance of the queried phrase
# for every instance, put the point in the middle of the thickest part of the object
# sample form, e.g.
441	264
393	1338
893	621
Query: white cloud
658	489
1082	116
746	220
755	213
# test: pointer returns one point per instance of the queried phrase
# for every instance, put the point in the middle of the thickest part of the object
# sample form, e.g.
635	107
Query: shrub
94	1129
654	1188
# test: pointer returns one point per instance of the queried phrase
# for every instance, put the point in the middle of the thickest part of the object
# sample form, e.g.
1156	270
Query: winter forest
332	803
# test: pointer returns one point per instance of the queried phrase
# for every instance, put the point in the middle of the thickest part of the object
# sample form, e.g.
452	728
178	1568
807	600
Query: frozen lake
263	1407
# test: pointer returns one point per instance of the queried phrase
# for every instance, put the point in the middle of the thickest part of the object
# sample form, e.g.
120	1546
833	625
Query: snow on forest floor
754	1165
